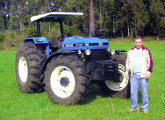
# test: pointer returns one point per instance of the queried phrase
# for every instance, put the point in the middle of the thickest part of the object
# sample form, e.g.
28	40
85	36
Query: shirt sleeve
150	62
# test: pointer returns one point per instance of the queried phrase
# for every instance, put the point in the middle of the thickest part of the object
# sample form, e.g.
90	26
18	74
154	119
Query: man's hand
147	75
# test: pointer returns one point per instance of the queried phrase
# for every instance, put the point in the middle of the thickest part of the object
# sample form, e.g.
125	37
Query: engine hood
81	43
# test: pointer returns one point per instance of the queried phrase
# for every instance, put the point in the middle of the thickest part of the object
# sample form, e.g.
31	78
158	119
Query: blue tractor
65	67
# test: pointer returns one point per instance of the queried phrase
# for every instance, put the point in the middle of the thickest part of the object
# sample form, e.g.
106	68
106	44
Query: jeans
137	82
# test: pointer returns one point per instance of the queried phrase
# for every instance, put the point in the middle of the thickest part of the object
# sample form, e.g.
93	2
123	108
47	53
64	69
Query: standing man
139	63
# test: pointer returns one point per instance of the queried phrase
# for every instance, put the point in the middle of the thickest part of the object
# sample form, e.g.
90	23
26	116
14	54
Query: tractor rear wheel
28	65
66	81
117	89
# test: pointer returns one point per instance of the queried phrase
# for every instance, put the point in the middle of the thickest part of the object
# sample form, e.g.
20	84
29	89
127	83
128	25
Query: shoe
146	112
134	110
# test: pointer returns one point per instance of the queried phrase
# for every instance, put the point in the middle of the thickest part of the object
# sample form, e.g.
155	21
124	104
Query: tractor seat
54	43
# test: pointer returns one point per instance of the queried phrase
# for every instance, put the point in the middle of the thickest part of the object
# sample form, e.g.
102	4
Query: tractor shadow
93	93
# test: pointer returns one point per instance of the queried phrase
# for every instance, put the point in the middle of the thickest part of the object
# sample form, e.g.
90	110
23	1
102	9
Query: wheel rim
23	69
62	81
118	86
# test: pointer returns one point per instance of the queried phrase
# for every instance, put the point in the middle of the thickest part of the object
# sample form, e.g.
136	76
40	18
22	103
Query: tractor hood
81	43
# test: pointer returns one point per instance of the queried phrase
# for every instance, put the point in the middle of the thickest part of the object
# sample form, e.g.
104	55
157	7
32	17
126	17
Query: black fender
55	54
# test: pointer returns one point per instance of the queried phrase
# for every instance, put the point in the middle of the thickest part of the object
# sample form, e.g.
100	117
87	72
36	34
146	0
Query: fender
55	54
40	41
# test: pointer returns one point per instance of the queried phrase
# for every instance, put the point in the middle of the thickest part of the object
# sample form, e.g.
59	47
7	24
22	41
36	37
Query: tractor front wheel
66	81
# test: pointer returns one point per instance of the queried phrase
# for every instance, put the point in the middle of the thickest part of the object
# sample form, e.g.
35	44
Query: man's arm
150	64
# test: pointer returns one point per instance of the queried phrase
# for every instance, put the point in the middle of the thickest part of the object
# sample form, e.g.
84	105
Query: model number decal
69	45
84	44
81	44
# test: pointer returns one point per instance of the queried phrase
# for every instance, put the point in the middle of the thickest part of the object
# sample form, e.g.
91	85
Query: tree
140	16
127	16
157	14
2	25
4	12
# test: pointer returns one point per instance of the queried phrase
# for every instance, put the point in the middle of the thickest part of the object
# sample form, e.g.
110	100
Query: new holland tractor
65	67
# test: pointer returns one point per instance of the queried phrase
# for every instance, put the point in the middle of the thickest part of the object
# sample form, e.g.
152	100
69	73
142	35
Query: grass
15	105
151	39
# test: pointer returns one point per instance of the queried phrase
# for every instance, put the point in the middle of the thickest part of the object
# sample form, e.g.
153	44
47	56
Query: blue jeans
137	82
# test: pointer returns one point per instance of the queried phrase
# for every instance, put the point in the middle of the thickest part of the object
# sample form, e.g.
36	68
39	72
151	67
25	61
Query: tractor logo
100	44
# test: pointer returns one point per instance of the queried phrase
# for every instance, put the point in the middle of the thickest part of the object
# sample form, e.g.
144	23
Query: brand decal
84	44
100	44
69	45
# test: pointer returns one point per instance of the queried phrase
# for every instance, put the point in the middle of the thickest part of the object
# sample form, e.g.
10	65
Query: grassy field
15	105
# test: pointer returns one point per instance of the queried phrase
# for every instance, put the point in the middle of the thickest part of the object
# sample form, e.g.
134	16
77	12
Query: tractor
65	67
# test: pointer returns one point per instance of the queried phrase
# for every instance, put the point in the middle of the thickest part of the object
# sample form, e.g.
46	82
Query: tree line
124	18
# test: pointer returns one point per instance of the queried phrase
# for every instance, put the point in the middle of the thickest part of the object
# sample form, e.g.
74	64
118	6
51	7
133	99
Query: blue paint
43	40
81	43
47	53
73	43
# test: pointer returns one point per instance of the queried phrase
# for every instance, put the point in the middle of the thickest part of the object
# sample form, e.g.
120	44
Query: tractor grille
97	55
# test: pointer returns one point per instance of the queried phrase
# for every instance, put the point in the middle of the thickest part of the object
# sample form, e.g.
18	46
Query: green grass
15	105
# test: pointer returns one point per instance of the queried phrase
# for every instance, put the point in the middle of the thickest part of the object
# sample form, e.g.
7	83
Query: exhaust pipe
92	21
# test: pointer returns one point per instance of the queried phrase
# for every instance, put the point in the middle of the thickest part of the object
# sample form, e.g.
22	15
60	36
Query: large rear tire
28	65
117	89
66	81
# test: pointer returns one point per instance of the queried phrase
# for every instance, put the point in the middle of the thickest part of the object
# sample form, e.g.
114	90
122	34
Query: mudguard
37	40
55	54
40	41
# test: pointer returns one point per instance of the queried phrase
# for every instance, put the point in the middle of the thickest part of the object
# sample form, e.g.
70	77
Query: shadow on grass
93	93
139	97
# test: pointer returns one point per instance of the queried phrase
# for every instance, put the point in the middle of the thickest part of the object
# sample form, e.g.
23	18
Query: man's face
138	43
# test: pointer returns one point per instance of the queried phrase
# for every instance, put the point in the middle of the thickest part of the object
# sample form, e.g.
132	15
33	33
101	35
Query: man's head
138	42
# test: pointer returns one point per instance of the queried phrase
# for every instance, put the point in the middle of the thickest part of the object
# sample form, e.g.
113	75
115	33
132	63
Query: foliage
2	37
12	35
10	40
1	21
32	31
119	18
158	12
24	29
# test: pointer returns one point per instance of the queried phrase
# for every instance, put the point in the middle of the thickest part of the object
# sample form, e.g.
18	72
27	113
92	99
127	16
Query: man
139	63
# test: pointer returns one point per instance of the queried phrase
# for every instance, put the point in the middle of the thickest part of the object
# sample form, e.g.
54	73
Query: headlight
79	51
88	52
112	52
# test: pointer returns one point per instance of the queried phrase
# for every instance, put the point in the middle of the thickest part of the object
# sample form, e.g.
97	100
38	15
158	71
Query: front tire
66	81
117	89
28	65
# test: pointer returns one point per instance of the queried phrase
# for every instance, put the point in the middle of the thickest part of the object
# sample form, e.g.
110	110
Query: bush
2	37
32	31
12	35
23	29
